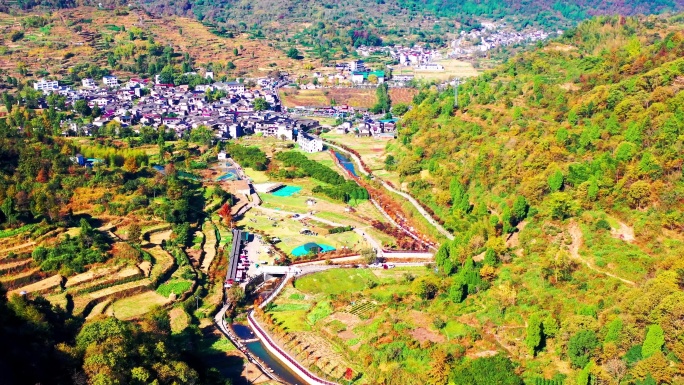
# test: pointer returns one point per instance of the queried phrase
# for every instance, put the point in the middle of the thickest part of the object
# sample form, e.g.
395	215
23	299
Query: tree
556	181
369	255
655	339
561	206
260	104
131	165
202	135
235	295
535	334
293	53
581	346
400	109
82	107
383	103
224	212
520	207
457	291
134	232
235	52
638	192
426	287
440	366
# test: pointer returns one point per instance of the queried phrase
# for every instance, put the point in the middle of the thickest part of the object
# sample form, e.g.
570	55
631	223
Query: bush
602	224
16	36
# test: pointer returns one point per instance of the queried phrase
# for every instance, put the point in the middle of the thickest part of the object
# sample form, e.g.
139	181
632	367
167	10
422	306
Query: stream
346	163
257	348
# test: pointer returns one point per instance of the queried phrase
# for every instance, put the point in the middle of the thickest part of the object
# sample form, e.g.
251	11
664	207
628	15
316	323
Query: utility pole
457	81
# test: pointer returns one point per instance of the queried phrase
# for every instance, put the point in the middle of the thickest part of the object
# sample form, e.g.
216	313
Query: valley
336	193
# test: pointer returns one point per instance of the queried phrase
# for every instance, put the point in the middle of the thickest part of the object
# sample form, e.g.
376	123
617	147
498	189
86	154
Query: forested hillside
560	174
335	25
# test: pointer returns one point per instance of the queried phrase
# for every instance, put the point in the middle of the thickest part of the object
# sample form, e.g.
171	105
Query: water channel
346	163
257	348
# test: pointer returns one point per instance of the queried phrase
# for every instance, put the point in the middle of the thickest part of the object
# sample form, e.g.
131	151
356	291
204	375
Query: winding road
389	188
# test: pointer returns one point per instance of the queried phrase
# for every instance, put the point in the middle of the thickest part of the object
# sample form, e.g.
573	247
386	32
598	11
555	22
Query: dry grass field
452	69
58	46
355	97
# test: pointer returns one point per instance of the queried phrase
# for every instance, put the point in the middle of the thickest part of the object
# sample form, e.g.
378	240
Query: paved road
408	197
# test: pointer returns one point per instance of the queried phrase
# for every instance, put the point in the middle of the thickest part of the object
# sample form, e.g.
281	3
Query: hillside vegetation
561	176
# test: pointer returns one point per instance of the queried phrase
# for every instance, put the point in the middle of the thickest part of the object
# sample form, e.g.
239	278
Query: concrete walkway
408	197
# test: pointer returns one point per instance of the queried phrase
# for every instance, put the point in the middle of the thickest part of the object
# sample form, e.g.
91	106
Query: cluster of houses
138	102
417	56
354	72
368	127
493	35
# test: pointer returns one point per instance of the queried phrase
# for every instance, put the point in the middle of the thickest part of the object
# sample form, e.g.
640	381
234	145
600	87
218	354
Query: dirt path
624	232
159	236
576	235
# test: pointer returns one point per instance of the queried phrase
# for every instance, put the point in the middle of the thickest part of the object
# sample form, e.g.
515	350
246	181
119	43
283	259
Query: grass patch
290	307
336	281
292	321
176	287
297	296
322	310
138	305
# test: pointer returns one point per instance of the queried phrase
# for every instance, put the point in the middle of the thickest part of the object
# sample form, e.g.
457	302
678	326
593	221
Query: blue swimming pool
286	191
227	176
308	247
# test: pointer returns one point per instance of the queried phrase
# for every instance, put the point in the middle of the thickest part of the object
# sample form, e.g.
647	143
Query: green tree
202	135
655	339
82	107
556	181
400	109
520	207
581	347
561	205
535	334
134	232
293	53
260	104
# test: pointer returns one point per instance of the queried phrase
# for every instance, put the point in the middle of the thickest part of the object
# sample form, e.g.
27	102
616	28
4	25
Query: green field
336	281
288	229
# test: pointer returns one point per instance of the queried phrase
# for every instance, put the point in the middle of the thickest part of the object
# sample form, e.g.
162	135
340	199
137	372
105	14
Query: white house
110	81
309	143
222	156
46	85
88	83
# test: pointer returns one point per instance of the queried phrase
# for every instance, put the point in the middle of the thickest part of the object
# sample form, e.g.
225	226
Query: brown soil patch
348	319
355	97
46	284
419	319
347	335
422	335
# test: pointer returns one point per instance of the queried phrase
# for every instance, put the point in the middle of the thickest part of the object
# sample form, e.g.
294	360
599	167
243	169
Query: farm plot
138	304
363	309
82	304
45	285
209	231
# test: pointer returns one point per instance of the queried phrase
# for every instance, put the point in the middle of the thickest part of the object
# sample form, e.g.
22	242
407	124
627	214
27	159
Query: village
229	109
492	35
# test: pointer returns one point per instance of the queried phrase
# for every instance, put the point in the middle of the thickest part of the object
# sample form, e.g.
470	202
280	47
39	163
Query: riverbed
258	349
